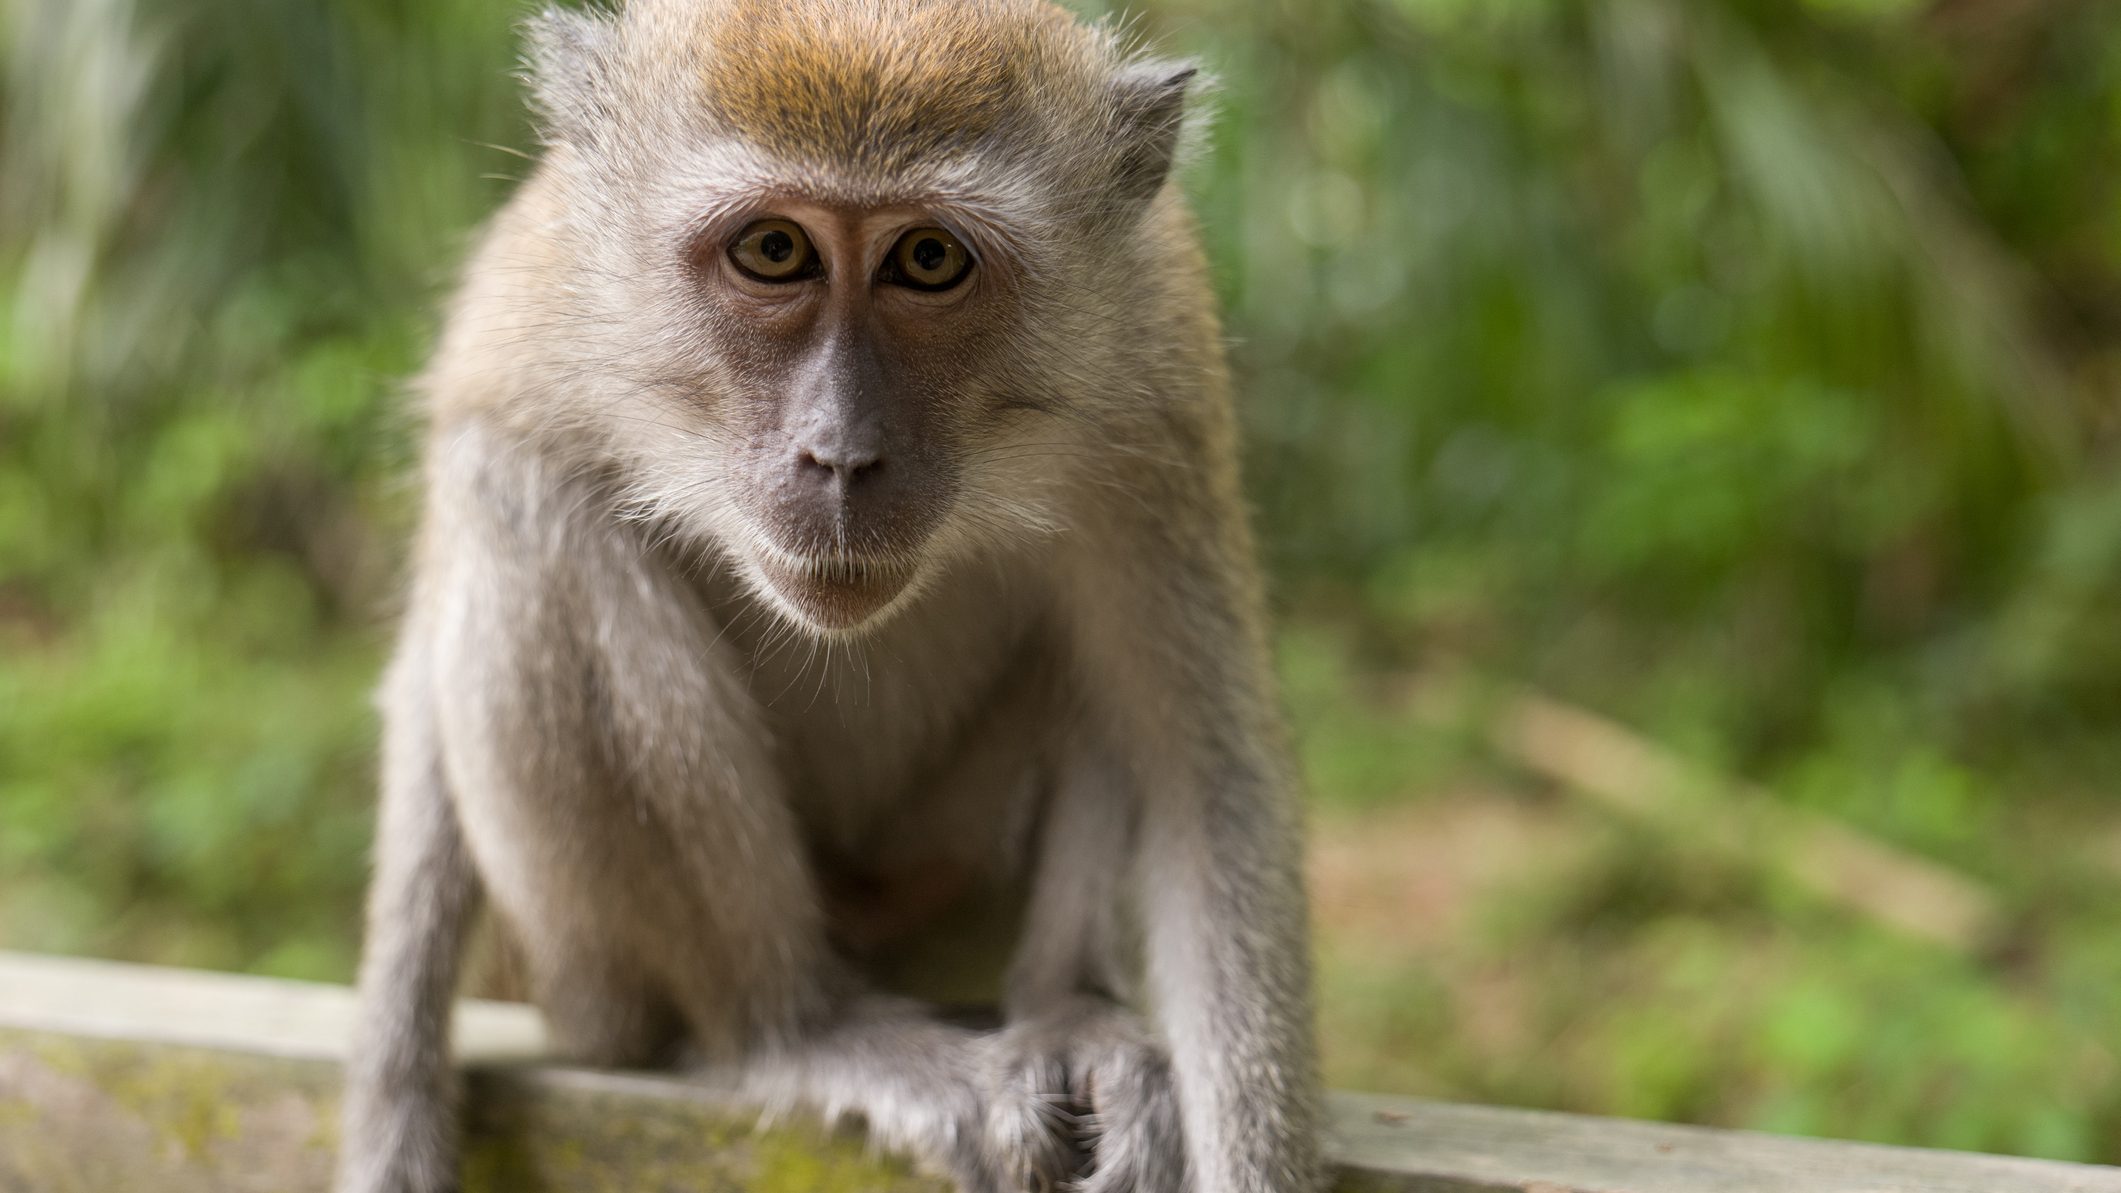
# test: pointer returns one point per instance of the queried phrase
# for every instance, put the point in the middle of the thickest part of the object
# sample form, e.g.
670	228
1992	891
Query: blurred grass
1745	372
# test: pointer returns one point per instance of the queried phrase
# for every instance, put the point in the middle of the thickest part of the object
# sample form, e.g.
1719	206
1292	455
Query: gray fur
666	688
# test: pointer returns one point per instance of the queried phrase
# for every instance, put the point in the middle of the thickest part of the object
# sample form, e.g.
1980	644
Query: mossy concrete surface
85	1115
100	1116
121	1078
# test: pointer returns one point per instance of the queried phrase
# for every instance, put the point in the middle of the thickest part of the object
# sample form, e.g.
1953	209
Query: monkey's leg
611	772
605	1010
400	1123
1165	618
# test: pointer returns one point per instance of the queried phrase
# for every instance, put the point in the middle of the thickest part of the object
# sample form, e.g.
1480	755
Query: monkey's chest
912	762
918	828
909	815
915	746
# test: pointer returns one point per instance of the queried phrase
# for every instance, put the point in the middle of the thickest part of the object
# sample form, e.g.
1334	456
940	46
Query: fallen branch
1606	761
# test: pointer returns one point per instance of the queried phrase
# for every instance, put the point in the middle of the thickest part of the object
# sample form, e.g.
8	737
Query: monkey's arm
400	1124
1165	609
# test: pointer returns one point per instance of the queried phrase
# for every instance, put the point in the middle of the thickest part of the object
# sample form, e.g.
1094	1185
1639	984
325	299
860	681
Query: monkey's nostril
849	467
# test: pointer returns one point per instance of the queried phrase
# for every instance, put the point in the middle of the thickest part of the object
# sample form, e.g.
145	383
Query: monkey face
852	346
852	277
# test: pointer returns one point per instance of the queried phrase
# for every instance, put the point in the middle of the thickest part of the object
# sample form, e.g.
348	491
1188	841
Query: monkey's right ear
1149	110
564	59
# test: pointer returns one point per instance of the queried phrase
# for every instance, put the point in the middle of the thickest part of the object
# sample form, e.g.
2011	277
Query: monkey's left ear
564	56
1149	112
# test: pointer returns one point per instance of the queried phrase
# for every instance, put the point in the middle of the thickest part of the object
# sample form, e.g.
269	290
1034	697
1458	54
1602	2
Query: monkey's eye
927	259
774	251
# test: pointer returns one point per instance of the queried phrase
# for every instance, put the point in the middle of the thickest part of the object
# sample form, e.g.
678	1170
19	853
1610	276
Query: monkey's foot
1080	1099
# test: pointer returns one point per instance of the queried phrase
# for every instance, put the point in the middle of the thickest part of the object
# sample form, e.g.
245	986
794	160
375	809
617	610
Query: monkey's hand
1080	1099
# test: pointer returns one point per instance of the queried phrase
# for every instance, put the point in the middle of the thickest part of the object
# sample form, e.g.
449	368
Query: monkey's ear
1149	112
564	59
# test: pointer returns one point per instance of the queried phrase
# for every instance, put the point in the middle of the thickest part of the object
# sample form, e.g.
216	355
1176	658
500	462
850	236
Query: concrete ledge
118	1077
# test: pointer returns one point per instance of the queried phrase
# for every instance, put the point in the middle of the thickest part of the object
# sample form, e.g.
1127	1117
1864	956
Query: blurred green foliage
1744	371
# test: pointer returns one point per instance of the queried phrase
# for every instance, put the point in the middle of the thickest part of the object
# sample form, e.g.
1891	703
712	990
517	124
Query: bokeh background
1684	433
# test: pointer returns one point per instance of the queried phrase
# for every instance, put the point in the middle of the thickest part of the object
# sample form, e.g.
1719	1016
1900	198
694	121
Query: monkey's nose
846	463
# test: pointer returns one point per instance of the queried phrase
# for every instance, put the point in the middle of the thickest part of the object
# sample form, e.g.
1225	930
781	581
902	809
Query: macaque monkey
832	519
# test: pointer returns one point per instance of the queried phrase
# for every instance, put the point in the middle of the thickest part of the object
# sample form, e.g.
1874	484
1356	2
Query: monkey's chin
834	595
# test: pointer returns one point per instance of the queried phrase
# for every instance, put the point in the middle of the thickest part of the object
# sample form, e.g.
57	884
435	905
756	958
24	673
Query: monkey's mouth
834	592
